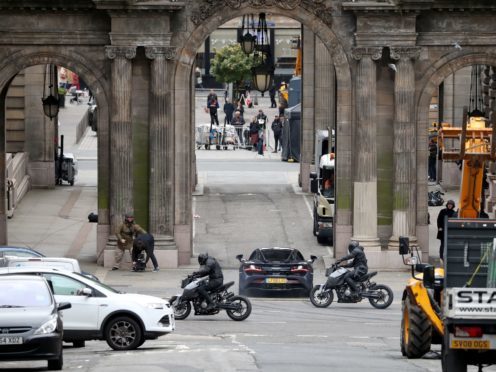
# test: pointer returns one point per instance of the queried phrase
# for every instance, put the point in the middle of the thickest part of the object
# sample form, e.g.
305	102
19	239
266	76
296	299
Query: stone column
121	146
365	185
161	133
325	81
404	154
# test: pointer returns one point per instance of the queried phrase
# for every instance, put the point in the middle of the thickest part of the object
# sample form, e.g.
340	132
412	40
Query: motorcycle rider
359	265
209	266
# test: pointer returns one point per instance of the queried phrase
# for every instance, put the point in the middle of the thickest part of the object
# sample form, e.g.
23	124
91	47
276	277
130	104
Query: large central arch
183	84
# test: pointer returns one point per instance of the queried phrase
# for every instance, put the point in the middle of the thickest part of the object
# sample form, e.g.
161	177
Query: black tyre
416	331
142	341
182	310
79	343
57	364
71	183
217	147
243	311
452	360
320	297
123	333
385	299
322	240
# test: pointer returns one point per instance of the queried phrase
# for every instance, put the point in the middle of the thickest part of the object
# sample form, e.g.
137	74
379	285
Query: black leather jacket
211	268
358	257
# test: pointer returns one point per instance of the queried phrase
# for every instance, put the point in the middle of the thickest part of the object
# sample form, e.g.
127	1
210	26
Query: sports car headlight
156	306
48	327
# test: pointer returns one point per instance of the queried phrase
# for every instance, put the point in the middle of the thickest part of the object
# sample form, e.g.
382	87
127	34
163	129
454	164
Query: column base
370	244
386	260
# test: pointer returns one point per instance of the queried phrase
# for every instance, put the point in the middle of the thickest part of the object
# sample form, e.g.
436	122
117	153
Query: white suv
100	312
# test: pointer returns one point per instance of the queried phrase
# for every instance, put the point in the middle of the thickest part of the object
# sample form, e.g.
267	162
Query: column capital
155	52
373	52
112	52
399	53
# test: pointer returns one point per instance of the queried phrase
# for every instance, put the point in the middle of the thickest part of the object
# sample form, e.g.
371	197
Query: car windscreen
24	293
100	284
277	255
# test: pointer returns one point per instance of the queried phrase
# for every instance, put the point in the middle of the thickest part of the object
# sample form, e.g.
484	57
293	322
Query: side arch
183	86
93	73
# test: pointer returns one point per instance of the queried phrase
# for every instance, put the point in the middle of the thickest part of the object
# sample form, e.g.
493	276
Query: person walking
432	160
213	105
125	233
238	122
272	95
254	126
277	130
261	137
448	212
229	111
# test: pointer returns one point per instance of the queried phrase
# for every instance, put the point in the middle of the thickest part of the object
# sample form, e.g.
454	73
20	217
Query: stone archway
317	17
93	76
436	74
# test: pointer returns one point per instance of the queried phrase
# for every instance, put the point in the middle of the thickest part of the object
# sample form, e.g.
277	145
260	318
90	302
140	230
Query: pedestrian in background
229	111
272	95
448	212
213	105
277	130
240	108
238	123
432	160
126	232
254	126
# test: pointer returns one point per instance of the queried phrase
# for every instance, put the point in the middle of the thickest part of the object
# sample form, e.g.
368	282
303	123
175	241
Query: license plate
276	280
10	340
471	344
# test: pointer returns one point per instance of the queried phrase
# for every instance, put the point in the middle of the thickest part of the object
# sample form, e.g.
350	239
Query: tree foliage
231	65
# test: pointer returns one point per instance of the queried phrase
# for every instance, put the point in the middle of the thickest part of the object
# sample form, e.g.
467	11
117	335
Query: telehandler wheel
416	331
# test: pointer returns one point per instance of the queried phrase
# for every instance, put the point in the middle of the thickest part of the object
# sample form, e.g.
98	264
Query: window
64	286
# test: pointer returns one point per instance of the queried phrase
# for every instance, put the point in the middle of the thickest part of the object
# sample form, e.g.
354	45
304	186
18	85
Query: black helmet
353	244
450	202
202	258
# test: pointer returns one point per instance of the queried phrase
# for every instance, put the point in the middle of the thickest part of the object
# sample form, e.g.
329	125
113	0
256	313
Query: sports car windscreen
280	255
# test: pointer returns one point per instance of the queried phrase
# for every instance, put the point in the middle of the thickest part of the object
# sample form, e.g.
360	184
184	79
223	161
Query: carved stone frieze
210	7
359	52
154	52
112	52
405	53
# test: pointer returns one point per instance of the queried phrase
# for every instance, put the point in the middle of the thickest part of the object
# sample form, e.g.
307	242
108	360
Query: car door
84	313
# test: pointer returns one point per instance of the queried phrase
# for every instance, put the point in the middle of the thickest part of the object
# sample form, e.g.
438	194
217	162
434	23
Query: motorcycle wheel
243	312
386	296
320	297
182	310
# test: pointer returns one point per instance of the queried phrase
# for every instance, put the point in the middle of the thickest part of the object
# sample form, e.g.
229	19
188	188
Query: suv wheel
123	333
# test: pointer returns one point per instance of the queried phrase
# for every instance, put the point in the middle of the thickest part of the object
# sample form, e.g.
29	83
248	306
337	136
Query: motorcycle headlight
48	327
156	306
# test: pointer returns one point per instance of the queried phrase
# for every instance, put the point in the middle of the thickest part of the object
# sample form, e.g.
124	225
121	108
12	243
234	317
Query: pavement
55	221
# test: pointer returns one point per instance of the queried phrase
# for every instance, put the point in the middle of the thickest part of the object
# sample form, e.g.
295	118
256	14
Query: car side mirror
404	247
314	186
85	292
239	257
64	306
429	276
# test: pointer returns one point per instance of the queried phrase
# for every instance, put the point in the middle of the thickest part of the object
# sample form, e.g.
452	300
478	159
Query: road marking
313	336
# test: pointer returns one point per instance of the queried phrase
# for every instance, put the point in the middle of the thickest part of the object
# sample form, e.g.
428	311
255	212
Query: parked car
30	323
275	270
21	256
100	312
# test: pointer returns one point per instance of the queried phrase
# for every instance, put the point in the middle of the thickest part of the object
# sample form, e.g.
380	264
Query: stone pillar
365	185
307	108
325	81
404	154
161	132
121	146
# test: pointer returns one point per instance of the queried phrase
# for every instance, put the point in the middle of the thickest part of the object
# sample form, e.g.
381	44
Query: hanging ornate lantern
247	40
263	70
50	103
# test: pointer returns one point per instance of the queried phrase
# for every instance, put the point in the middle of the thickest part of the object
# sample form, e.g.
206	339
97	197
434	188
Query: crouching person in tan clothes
126	232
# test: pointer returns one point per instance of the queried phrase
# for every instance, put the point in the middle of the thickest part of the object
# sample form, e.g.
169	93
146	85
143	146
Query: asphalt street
242	202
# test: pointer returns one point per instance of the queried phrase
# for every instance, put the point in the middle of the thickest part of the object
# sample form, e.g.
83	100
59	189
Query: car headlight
48	327
156	306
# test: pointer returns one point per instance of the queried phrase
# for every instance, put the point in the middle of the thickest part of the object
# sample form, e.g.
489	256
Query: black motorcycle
237	307
380	296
